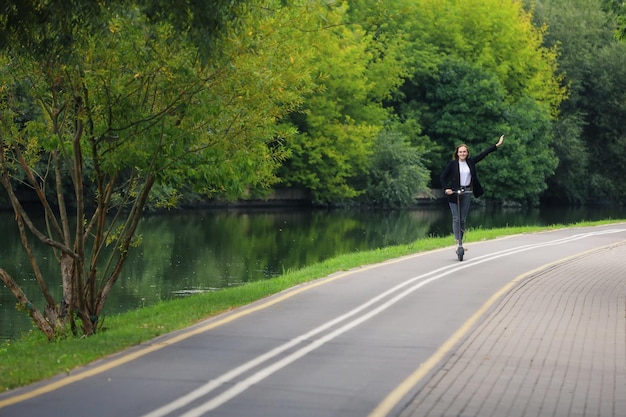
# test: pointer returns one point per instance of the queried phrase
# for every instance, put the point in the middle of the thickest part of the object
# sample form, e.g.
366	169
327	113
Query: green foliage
50	28
606	134
495	36
589	136
483	69
107	106
618	9
201	20
467	104
140	105
566	185
397	175
338	122
56	28
519	171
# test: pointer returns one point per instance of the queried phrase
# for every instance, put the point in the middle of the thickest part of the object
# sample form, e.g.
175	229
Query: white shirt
466	176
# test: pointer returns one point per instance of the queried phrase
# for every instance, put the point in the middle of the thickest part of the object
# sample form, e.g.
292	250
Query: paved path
531	325
555	345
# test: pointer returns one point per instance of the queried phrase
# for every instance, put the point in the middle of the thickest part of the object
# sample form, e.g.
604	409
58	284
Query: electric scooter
460	251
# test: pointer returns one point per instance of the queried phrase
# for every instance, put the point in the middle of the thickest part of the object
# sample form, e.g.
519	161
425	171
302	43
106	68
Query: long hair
455	155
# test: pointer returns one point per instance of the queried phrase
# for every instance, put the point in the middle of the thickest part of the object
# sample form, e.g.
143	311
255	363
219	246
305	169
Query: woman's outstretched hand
500	141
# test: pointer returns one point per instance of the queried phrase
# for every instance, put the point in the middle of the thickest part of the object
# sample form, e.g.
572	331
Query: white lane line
394	398
276	366
235	372
243	385
566	239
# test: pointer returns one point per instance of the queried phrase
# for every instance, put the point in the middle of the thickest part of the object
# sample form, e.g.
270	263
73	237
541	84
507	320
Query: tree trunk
67	269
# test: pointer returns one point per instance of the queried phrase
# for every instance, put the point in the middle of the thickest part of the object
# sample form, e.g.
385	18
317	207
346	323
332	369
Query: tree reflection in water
192	251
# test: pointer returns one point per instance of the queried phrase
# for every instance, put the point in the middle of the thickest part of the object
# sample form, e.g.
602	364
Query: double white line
403	290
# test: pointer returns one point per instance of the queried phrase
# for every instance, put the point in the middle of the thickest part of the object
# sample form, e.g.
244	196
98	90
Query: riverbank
192	251
286	198
32	358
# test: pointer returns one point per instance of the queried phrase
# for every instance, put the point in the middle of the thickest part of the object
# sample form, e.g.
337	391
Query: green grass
32	358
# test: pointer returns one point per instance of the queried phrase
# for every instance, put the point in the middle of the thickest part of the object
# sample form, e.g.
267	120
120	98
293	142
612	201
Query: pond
191	251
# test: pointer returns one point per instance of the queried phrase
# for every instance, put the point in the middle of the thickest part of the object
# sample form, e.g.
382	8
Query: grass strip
33	358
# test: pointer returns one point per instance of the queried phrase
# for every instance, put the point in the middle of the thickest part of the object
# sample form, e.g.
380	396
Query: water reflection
196	251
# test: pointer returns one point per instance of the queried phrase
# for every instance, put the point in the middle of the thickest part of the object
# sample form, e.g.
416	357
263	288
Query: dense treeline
110	107
589	132
413	78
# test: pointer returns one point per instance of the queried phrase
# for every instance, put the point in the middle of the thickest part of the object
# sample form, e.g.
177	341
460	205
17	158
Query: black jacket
451	177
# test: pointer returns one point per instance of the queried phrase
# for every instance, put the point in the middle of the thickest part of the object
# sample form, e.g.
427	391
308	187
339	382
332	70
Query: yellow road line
190	333
395	396
387	404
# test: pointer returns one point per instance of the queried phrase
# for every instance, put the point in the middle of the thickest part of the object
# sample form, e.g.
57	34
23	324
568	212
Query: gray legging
466	199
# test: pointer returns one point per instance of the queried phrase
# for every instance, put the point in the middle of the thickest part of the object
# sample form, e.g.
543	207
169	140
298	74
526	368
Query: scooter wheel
460	252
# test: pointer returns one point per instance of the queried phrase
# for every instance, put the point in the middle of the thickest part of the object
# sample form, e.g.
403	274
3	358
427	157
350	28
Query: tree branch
23	301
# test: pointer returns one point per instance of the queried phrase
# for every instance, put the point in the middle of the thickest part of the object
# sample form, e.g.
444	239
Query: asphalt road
358	343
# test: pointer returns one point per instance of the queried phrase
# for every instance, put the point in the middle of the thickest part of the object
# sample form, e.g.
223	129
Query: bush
397	174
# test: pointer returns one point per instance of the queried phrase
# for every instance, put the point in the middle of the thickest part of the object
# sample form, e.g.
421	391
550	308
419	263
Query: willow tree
92	126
